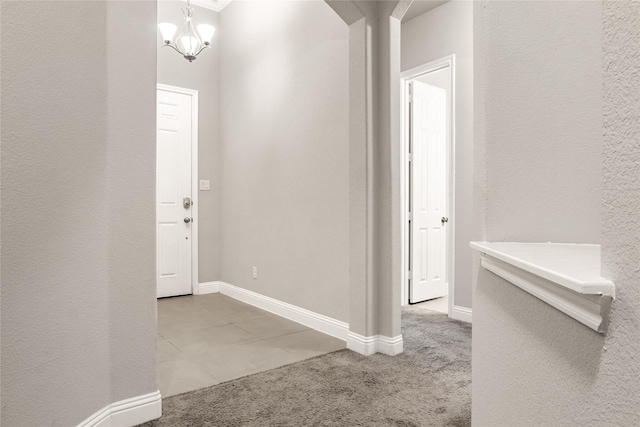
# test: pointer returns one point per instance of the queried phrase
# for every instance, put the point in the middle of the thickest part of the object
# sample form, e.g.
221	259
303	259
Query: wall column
374	190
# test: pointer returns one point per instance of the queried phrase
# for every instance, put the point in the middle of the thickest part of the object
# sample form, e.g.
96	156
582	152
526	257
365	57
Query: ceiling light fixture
193	42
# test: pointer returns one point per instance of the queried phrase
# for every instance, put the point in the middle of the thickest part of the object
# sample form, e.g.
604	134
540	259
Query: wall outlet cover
204	185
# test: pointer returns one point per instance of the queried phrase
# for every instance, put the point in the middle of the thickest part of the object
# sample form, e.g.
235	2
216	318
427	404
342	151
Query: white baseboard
335	328
361	344
208	288
319	322
127	412
374	344
390	346
461	313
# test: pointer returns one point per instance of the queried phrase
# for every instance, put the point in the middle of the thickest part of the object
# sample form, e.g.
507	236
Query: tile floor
208	339
440	305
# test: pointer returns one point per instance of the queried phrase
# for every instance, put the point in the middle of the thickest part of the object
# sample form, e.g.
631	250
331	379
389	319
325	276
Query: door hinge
410	216
410	157
410	92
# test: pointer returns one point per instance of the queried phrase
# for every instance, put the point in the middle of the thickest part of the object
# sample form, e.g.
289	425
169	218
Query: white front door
173	194
428	193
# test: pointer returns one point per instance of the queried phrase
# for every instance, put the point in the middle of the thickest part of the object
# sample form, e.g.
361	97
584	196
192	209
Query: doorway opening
428	185
176	191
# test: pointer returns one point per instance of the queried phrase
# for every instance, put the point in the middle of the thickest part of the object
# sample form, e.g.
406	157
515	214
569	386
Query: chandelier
189	42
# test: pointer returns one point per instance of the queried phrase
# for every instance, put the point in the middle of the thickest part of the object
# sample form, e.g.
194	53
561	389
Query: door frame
407	77
194	177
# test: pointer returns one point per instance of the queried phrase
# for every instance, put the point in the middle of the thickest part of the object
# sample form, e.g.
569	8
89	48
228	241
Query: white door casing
173	185
429	181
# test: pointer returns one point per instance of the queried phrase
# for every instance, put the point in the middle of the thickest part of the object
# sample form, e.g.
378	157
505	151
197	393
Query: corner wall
131	197
55	297
203	76
541	93
446	30
284	158
78	149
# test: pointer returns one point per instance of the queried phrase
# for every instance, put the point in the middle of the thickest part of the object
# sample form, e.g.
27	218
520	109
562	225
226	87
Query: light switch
204	185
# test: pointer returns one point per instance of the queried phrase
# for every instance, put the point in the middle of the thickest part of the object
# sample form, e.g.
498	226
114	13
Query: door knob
444	219
187	220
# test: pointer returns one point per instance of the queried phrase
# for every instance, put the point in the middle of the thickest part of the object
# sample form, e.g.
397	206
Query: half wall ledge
564	275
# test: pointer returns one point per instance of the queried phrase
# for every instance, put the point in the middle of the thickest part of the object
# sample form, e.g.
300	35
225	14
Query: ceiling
216	5
418	7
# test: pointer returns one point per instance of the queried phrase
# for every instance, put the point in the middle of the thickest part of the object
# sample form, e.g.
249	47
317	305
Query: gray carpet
428	385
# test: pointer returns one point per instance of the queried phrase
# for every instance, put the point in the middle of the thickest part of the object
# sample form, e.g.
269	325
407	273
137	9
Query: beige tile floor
208	339
440	305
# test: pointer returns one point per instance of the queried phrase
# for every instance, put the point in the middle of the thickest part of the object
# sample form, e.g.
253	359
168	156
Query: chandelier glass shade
189	42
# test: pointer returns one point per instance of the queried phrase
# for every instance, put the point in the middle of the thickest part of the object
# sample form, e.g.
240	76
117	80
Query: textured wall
131	193
54	214
284	153
621	210
78	307
203	76
446	30
532	365
543	120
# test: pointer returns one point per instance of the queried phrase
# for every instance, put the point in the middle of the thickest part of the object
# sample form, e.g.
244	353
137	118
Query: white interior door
428	193
173	186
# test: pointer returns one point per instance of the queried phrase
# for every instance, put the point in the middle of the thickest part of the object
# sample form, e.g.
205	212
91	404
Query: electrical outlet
255	272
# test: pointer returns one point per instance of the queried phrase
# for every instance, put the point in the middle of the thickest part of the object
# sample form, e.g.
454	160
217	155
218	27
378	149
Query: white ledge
565	276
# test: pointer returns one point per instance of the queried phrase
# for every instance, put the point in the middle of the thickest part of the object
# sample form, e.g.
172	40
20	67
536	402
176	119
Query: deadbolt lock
444	219
187	203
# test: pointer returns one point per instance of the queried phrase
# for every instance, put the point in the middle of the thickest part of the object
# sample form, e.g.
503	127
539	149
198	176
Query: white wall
78	148
203	76
446	30
284	153
540	87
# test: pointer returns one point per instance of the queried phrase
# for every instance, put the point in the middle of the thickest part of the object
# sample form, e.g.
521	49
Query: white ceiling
418	7
216	5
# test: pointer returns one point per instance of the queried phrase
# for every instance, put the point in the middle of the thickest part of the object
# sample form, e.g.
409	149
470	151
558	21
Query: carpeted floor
427	385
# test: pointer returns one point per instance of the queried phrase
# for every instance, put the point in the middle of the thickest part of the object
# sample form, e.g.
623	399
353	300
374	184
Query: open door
429	190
